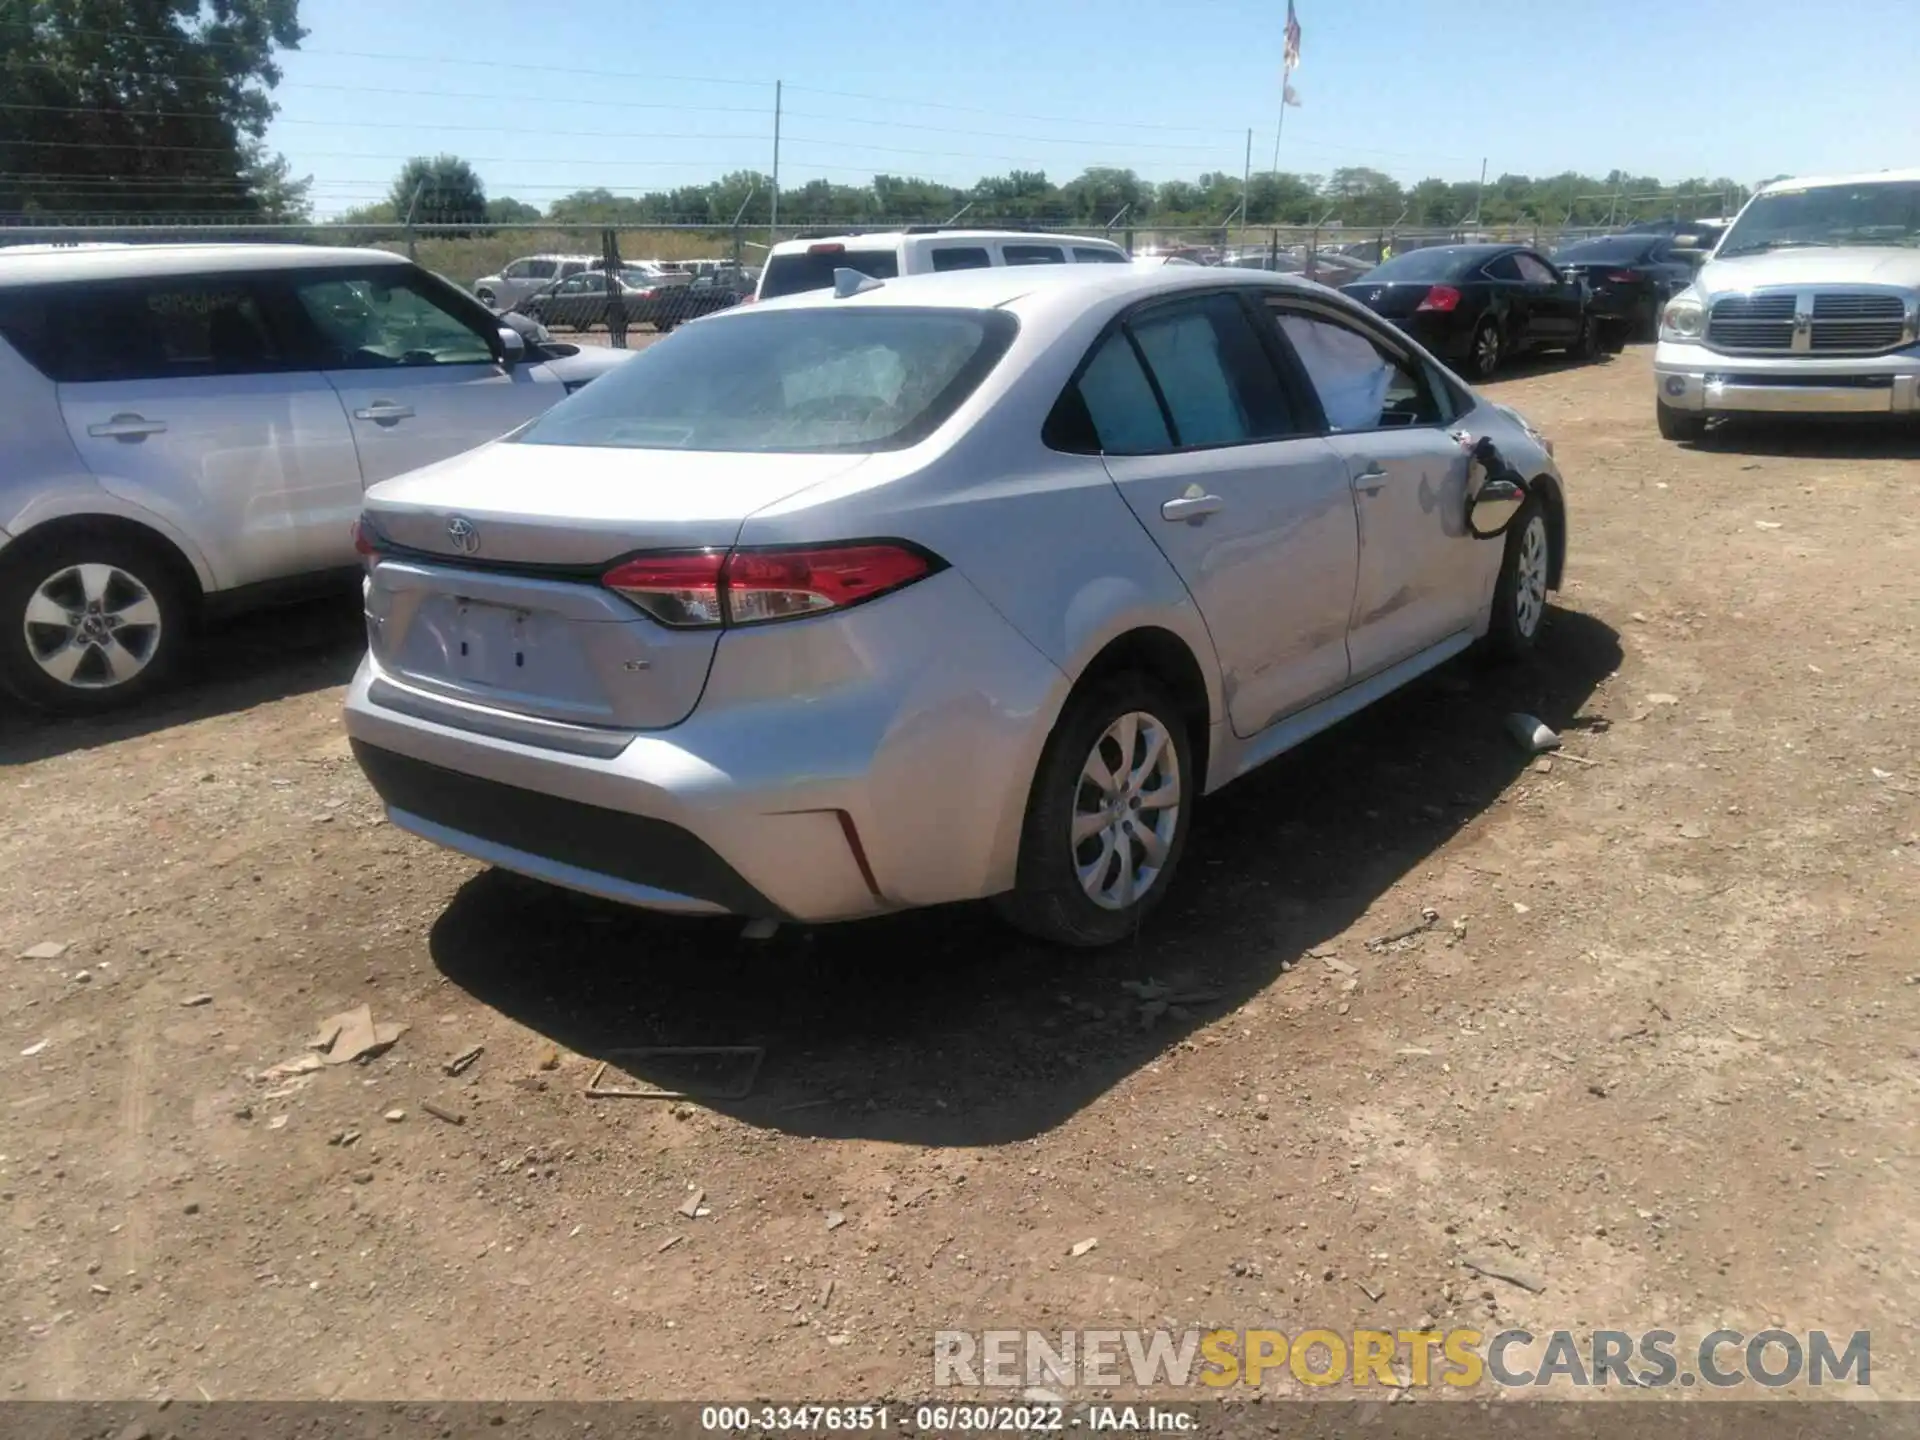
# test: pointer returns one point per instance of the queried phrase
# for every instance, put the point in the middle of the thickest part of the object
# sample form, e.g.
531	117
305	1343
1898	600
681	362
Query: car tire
1486	349
1680	425
1587	345
1520	592
1090	893
105	603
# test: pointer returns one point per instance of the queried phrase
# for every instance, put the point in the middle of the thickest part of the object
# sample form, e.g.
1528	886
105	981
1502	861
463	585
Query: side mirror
513	349
1496	499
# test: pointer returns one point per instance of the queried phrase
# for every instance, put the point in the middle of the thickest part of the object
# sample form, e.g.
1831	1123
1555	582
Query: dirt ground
1658	1052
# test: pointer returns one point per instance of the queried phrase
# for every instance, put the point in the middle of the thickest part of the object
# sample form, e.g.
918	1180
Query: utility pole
773	202
1246	186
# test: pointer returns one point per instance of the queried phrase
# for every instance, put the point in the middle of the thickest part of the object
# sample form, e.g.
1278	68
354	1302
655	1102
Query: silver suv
192	427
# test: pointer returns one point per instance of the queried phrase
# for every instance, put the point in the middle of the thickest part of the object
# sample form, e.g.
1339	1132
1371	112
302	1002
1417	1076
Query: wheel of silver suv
1108	816
90	623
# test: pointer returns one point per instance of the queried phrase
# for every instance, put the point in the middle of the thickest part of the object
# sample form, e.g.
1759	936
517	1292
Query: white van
794	266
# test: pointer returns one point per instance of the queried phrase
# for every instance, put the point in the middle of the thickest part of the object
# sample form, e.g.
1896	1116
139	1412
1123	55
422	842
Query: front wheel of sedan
1520	594
88	623
1107	818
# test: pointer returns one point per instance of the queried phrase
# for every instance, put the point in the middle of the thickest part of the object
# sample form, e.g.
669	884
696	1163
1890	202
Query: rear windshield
1606	250
1440	262
788	380
796	274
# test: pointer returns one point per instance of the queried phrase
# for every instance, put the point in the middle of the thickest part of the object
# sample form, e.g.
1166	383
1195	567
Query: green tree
143	106
505	211
439	190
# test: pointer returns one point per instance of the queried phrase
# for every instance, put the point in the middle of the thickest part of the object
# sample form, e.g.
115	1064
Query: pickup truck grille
1752	322
1836	322
1857	323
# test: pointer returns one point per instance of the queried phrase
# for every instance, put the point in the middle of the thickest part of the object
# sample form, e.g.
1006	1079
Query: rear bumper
894	775
1693	378
1448	334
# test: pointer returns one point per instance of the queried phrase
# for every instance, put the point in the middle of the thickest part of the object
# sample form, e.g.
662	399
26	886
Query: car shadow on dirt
941	1027
1816	438
237	663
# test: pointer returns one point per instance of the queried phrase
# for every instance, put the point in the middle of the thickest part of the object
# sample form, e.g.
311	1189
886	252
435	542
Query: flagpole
1281	126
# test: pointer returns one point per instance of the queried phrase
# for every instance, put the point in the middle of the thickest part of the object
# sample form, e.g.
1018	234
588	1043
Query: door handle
1191	507
1370	480
128	428
384	412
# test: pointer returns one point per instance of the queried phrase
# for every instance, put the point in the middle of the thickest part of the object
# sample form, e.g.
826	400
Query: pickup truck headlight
1684	321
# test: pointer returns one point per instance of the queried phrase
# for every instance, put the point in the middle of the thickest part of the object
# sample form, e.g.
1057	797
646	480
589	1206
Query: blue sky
641	97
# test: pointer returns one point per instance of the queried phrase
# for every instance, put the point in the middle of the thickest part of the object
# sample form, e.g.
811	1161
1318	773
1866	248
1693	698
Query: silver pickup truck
1810	304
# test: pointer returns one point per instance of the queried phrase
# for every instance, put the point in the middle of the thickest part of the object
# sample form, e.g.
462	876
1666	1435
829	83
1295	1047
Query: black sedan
666	306
1478	304
1630	275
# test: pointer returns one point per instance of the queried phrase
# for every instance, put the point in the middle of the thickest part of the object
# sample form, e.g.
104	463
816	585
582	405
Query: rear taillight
678	590
365	541
1440	297
1622	277
750	587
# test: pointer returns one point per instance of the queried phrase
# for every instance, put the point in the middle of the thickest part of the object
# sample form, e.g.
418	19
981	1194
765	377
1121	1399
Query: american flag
1291	56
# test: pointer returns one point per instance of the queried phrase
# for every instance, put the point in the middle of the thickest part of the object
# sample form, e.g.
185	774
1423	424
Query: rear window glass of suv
796	274
810	379
961	257
170	327
1032	255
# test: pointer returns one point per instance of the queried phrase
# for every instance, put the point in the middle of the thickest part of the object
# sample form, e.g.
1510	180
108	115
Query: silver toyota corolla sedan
938	588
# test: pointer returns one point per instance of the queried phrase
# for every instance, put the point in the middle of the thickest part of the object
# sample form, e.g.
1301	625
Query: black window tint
961	257
169	327
1360	385
1218	382
813	269
1032	255
1504	268
1111	407
538	269
1092	255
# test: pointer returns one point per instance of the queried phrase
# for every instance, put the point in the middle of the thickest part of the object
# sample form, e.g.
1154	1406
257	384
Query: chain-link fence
583	277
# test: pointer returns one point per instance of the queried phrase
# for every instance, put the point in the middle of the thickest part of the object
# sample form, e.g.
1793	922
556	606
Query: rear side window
1504	267
1097	255
811	379
1032	255
169	327
1218	383
1111	408
813	269
961	257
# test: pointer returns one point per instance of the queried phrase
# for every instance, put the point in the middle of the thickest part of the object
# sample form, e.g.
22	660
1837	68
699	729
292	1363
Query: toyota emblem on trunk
465	538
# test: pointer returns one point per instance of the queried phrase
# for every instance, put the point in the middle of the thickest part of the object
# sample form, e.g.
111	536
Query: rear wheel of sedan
1484	354
88	623
1107	818
1586	345
1680	424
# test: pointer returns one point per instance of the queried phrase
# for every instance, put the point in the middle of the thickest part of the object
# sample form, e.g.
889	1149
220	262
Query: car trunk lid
1393	299
486	586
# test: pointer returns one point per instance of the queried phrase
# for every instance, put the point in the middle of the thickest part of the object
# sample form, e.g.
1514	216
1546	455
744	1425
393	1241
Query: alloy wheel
1126	811
1486	349
1530	577
92	626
